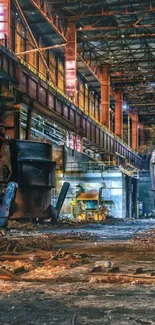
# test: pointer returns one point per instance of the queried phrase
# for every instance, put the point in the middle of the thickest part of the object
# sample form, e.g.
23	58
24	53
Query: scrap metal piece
55	211
7	203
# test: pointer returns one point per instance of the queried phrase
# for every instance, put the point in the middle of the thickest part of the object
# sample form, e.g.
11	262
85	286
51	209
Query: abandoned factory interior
77	162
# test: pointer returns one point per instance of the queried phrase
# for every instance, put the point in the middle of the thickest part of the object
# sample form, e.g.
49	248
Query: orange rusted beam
70	61
42	49
109	13
46	13
117	37
5	22
95	71
119	113
135	136
20	11
105	96
91	67
128	26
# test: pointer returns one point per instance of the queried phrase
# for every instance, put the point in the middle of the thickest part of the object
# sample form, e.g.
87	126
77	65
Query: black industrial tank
31	164
34	171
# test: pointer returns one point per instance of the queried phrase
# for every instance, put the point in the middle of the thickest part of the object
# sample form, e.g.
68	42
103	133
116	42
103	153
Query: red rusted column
119	113
5	22
70	60
105	96
134	117
142	133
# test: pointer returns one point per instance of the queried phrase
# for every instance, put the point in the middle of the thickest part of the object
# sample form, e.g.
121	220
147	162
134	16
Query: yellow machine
89	207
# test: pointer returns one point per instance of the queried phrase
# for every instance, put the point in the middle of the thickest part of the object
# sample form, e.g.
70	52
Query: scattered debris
73	319
114	269
20	225
7	275
97	269
30	256
139	270
40	261
104	264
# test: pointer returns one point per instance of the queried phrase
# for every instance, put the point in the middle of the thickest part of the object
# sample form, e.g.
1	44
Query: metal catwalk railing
93	167
99	167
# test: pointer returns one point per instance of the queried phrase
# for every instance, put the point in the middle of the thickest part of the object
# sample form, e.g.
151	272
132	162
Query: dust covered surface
85	282
65	304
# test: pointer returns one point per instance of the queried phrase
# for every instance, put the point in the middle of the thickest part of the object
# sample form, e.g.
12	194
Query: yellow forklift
91	207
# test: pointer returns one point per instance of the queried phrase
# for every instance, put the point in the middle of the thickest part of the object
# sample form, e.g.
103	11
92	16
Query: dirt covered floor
74	279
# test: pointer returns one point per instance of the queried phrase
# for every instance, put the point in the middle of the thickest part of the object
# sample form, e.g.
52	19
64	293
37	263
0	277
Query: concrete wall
146	195
114	189
79	168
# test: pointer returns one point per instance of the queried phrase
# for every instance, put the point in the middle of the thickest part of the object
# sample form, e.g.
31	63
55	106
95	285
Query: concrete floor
88	303
113	230
73	304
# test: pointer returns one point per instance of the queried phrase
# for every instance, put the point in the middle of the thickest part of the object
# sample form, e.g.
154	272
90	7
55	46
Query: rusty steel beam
5	12
134	118
141	105
106	28
48	17
105	96
119	113
129	63
90	1
19	9
42	49
70	61
95	71
110	13
131	81
116	37
147	113
91	67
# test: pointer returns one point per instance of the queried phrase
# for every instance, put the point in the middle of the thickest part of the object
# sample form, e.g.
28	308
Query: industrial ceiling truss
117	33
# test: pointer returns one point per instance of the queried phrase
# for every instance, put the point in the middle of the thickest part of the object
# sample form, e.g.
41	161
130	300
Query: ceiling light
125	106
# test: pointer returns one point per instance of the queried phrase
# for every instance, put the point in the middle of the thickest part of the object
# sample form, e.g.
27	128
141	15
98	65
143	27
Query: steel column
22	15
119	113
134	117
105	97
29	123
5	22
70	60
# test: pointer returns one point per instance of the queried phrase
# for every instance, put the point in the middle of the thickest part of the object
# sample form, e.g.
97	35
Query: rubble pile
31	256
65	266
147	236
17	244
21	225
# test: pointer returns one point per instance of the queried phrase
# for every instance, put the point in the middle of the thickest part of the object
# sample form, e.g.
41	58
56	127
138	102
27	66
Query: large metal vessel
34	171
